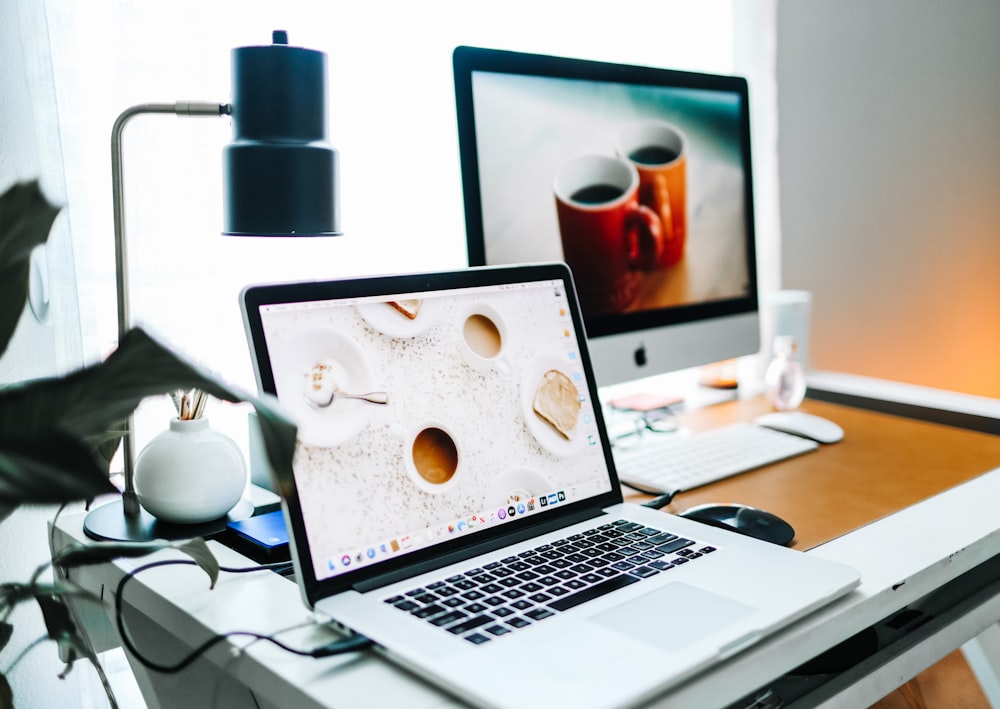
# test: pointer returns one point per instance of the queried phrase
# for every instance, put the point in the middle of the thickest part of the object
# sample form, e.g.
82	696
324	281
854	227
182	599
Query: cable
662	500
349	644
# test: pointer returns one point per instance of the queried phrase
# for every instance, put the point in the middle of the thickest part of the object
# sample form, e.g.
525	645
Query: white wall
889	161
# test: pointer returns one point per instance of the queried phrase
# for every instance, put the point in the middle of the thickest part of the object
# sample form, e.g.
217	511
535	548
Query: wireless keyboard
665	462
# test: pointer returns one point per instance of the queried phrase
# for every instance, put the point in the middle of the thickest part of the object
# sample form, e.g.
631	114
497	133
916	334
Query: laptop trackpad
673	616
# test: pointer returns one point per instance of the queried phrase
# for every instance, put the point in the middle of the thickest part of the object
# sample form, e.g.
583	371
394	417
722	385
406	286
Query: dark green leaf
6	631
49	470
58	620
75	555
198	550
88	403
6	694
6	509
25	221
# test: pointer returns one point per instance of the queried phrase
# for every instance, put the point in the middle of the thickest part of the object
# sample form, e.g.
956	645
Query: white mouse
802	424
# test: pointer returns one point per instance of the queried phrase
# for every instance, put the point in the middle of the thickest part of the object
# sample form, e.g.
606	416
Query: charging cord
351	643
661	500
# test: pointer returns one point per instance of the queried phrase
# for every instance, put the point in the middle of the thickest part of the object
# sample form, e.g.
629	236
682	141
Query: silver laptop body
466	514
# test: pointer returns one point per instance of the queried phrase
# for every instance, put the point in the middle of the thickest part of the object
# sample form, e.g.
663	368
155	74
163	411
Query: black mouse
744	520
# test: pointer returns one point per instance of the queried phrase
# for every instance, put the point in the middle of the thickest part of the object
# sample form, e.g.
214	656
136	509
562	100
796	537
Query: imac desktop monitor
639	178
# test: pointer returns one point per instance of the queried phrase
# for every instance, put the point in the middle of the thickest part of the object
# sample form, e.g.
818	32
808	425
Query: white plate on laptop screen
547	436
392	322
344	364
517	485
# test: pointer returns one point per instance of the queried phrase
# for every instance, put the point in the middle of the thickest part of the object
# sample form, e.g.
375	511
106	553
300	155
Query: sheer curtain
391	118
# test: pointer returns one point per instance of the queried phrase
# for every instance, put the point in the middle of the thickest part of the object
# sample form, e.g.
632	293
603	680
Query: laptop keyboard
491	601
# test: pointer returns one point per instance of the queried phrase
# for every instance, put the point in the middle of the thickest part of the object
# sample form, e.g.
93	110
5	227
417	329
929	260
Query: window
391	118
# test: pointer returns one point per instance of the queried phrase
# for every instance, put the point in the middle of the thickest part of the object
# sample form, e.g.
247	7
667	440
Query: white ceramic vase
190	473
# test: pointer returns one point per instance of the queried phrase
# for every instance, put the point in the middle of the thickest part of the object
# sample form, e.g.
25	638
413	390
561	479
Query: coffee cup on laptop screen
431	455
484	337
658	150
607	236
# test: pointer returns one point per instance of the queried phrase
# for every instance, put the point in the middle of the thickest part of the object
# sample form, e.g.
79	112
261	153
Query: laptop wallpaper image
485	420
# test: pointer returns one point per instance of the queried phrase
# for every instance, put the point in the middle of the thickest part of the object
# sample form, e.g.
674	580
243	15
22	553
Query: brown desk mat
883	464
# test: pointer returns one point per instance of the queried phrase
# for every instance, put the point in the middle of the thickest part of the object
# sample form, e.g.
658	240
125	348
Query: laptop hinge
451	557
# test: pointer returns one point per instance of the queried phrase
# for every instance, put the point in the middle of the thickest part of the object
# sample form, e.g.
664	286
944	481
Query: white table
938	559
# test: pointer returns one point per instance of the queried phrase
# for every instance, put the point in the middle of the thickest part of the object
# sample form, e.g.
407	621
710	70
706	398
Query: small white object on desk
802	424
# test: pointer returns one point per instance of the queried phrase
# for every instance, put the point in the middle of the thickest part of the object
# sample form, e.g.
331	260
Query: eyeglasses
625	427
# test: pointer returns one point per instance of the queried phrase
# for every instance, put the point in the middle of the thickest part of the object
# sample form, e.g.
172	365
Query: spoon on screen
372	397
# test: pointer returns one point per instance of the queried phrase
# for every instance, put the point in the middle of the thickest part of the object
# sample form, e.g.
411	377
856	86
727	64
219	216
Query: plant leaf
58	621
25	221
88	403
6	693
76	554
51	470
198	550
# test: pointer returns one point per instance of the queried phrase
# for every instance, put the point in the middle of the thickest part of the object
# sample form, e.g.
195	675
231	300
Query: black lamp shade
280	173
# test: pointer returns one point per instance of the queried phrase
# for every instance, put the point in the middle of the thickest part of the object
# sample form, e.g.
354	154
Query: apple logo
640	355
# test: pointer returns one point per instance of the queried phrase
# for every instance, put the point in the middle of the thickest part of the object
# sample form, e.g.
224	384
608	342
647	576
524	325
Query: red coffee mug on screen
608	238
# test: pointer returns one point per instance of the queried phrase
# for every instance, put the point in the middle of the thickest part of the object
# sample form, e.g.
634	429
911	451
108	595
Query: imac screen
638	178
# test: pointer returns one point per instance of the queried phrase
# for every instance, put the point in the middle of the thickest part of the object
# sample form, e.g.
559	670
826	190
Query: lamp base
108	523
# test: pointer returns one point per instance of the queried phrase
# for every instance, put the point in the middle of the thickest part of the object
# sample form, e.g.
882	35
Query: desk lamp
279	179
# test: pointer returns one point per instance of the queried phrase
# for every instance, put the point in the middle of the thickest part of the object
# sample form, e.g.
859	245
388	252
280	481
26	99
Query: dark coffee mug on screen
658	151
607	236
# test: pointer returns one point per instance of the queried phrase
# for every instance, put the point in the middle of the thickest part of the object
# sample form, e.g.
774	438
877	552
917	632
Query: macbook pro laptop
454	496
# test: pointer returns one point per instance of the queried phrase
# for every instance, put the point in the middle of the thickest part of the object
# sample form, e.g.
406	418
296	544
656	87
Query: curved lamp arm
130	501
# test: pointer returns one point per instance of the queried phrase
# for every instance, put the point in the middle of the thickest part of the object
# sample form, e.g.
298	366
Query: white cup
432	455
484	336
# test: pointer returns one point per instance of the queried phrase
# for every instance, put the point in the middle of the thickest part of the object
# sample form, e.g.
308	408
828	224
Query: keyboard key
596	591
448	618
644	571
673	546
469	624
539	613
477	639
661	538
428	611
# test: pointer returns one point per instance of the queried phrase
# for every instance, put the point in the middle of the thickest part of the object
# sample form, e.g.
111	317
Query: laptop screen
476	411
